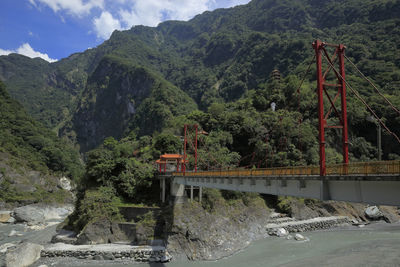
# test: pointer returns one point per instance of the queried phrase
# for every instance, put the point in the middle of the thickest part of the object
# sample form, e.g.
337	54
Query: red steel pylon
320	52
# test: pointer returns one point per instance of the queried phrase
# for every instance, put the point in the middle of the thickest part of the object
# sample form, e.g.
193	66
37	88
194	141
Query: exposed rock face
98	232
104	231
307	209
200	235
23	255
127	92
65	183
37	213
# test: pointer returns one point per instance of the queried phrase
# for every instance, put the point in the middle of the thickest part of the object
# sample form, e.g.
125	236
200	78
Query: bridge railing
358	168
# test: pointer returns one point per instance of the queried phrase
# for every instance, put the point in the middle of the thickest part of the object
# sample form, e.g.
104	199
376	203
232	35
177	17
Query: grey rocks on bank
37	213
23	255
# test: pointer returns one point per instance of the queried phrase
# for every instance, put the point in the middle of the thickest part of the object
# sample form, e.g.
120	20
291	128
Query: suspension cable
305	74
365	103
373	85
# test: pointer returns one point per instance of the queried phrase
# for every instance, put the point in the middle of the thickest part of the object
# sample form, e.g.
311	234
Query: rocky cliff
120	97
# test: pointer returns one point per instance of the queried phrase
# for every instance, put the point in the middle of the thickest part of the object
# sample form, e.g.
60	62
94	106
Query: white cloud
75	7
28	51
105	25
5	52
152	12
123	14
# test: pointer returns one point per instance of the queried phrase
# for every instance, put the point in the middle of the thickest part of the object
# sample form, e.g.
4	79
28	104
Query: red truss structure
336	58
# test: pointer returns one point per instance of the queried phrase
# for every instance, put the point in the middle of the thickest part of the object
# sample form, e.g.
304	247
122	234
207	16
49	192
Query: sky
54	29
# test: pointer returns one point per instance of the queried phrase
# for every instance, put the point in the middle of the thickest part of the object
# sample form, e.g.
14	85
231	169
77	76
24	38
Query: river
377	244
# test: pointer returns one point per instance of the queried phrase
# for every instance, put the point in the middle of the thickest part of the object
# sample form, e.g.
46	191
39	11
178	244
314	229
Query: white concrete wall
366	191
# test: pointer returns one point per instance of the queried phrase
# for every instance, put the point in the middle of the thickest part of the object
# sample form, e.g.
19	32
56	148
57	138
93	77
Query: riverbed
377	244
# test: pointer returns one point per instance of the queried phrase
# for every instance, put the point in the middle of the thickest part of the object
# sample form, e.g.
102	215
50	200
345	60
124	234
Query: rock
354	221
23	255
108	256
64	236
14	233
97	257
281	232
25	188
299	237
372	212
5	216
289	237
64	183
4	247
43	265
11	220
361	225
166	257
36	213
98	232
389	214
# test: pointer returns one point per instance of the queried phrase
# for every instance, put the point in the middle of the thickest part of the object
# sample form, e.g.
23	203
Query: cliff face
198	234
120	97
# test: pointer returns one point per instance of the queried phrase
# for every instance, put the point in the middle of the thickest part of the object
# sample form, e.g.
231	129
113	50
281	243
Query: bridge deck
380	168
374	183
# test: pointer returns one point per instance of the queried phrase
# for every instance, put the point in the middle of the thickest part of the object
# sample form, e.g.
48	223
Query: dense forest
27	145
125	102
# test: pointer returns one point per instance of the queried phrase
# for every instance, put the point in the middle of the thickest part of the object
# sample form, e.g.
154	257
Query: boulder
299	237
373	213
5	216
5	247
98	232
14	233
166	257
64	236
281	232
36	213
23	255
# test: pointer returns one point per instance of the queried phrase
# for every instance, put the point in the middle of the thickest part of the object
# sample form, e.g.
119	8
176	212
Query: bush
210	198
96	204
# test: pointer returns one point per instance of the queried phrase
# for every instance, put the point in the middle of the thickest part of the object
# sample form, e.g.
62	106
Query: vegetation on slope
144	84
24	138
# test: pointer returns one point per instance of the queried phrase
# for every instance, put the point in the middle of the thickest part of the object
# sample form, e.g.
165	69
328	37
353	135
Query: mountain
120	97
32	158
146	75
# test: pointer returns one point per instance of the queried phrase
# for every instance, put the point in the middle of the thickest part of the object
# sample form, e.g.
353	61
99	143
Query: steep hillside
32	158
219	56
120	97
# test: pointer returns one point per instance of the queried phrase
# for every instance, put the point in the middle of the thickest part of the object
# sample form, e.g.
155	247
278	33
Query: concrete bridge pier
177	192
325	195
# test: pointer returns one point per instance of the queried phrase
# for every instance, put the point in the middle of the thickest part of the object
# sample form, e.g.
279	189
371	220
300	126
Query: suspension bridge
367	182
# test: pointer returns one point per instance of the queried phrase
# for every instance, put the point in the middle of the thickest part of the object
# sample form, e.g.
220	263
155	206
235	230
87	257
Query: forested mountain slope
32	158
217	56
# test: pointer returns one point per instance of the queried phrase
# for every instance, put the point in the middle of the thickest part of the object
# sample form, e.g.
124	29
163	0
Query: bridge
366	182
373	183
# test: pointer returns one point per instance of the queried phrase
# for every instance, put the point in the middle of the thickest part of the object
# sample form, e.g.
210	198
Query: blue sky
54	29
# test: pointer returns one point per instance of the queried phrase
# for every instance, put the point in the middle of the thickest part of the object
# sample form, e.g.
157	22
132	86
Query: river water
376	244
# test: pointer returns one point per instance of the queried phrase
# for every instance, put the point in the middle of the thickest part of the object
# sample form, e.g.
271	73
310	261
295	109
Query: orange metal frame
359	168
